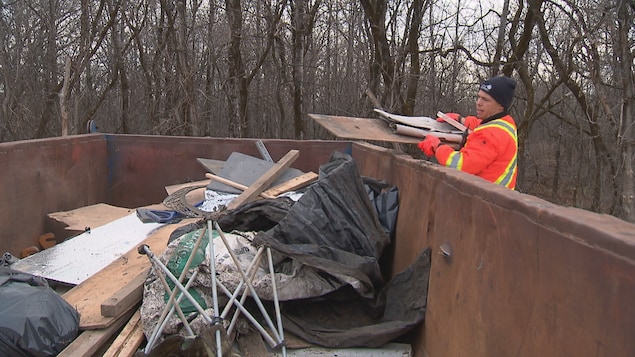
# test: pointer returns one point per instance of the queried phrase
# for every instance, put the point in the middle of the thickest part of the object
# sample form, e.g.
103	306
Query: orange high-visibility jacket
489	152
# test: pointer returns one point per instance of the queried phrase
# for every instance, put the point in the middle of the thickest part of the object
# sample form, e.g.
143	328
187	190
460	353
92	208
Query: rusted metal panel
141	166
43	176
60	174
526	278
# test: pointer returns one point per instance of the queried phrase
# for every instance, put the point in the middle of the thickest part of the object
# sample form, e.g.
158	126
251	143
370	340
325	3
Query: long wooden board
125	298
293	184
361	129
265	180
88	296
89	342
128	340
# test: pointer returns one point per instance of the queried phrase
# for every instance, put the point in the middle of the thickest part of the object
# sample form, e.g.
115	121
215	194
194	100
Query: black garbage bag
34	319
334	228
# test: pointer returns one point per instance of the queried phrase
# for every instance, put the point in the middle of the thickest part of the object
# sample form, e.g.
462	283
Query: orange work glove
455	116
429	145
471	122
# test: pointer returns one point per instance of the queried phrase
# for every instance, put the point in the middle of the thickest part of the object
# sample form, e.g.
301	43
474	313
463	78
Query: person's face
486	106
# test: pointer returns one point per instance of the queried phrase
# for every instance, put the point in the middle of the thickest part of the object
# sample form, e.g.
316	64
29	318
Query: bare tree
626	134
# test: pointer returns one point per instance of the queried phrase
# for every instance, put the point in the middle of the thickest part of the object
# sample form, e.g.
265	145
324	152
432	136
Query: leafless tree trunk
626	135
582	100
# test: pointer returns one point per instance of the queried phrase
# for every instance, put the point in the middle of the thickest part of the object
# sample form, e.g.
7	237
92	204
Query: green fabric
177	261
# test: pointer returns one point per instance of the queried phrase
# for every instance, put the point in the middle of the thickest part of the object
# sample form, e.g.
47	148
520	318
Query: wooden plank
125	298
265	180
173	188
361	129
245	170
87	296
234	184
91	341
293	184
128	340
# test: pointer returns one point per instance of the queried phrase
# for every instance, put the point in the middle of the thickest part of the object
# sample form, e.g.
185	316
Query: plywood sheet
361	129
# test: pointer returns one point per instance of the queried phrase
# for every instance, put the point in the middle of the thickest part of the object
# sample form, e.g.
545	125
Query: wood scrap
128	340
265	180
233	184
292	184
173	188
126	297
91	341
87	296
47	240
71	223
28	251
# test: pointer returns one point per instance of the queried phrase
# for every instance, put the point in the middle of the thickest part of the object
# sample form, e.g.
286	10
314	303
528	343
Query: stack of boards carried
419	127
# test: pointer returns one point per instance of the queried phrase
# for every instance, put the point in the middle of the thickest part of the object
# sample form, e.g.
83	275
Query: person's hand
471	122
455	116
429	145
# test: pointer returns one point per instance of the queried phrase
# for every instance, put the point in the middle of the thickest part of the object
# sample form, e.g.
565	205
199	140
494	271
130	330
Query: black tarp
348	322
334	228
34	319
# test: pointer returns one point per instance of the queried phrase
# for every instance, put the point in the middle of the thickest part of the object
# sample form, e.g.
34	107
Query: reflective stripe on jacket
490	152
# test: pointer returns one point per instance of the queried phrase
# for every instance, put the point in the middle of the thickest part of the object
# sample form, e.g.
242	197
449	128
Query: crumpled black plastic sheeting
385	198
334	227
343	324
34	319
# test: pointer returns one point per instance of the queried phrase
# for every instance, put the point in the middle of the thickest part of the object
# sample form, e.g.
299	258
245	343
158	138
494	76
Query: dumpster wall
526	278
43	176
59	174
141	166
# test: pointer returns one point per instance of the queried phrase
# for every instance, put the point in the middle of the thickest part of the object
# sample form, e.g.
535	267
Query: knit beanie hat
501	89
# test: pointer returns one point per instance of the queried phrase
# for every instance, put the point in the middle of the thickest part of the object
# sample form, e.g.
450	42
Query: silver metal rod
212	267
251	318
251	272
244	295
173	293
248	283
276	302
179	312
158	331
180	286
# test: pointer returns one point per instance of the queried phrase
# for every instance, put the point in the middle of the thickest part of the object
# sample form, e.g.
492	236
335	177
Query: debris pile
294	259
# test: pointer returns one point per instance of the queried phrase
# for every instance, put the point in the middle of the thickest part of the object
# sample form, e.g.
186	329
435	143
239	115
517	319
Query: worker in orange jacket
490	150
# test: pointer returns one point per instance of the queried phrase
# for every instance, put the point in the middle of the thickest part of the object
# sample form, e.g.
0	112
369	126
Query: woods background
239	68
